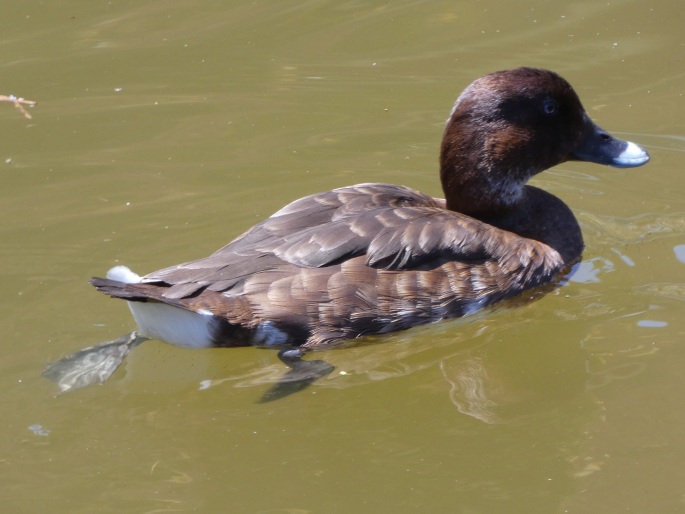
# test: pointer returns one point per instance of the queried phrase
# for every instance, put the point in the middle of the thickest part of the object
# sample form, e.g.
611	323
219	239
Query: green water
165	129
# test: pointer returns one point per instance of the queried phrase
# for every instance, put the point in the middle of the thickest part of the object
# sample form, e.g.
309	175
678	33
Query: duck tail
118	283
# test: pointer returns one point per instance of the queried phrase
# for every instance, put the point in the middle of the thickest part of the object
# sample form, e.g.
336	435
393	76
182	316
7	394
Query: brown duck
376	258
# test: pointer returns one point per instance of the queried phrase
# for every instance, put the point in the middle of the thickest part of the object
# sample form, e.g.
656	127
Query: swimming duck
377	258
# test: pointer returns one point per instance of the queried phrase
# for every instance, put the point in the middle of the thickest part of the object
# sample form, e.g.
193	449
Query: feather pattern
378	258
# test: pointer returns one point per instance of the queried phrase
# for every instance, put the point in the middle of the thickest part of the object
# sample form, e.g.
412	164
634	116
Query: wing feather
394	227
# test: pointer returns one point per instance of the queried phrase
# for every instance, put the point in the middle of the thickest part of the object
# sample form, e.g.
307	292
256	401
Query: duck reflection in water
377	258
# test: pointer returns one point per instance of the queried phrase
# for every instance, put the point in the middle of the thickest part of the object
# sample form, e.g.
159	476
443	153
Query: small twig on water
19	103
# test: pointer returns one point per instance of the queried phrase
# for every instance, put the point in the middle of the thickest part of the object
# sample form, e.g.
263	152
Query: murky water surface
164	129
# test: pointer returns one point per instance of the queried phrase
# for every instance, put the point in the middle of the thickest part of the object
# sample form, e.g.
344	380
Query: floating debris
39	430
19	103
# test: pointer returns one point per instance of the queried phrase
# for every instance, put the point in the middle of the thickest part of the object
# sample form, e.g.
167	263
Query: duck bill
597	145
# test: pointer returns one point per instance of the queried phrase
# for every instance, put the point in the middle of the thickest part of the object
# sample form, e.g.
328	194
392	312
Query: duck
376	258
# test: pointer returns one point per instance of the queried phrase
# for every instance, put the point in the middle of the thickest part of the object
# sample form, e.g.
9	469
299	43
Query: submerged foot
300	375
92	365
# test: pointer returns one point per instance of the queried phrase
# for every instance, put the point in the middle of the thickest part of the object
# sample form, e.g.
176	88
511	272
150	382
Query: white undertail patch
173	325
165	322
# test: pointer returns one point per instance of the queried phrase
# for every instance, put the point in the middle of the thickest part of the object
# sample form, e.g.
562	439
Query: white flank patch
173	324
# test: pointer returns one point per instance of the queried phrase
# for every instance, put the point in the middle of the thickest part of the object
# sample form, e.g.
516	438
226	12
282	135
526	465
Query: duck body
379	258
376	258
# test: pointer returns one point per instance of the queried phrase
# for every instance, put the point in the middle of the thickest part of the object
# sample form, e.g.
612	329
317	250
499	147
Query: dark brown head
510	125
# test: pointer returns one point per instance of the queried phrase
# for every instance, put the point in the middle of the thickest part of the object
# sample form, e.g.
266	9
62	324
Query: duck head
509	126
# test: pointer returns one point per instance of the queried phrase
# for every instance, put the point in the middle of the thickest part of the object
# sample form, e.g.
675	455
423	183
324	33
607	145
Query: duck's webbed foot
300	375
92	365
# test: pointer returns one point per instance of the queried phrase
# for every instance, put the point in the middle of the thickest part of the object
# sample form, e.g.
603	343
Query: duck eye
550	107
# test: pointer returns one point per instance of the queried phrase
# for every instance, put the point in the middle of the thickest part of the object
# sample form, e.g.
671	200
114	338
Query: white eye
550	107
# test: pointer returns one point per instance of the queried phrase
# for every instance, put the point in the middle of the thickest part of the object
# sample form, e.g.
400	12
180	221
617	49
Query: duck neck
481	175
478	189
